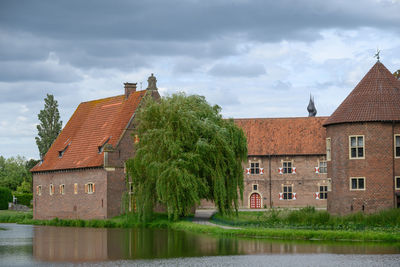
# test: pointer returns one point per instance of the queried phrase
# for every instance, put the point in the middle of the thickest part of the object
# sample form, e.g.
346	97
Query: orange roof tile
90	126
375	98
284	136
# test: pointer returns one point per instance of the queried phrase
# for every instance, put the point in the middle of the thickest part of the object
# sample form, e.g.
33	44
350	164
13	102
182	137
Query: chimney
129	89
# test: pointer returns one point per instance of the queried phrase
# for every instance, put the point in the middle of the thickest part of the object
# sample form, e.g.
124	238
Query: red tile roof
375	98
90	126
284	136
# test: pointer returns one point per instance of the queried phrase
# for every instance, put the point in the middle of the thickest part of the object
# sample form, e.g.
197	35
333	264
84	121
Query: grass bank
11	216
289	234
309	218
289	225
123	221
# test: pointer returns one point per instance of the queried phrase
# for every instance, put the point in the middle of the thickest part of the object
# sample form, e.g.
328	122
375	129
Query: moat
27	245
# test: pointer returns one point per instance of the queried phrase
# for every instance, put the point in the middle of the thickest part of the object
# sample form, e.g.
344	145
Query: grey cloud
237	70
37	71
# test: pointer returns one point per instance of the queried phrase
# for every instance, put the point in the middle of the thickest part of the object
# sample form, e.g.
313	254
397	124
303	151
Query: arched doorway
255	201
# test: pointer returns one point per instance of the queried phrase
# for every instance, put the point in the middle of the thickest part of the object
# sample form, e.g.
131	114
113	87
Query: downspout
270	182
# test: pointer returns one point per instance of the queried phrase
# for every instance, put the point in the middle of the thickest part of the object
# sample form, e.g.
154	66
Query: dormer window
101	148
61	152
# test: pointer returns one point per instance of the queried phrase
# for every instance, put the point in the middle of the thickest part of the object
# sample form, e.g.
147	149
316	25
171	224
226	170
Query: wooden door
255	201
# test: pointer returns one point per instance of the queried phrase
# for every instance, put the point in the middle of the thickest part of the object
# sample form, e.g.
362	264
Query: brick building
82	174
292	162
363	144
286	164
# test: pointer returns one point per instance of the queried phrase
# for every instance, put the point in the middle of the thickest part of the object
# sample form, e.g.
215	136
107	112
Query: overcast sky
253	58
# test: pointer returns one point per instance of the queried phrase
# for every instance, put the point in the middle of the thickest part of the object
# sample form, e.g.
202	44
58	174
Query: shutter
316	195
316	169
280	196
93	188
261	170
37	190
294	196
59	188
247	170
86	188
53	189
280	170
294	170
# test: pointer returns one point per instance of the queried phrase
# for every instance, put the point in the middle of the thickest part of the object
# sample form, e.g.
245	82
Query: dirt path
204	216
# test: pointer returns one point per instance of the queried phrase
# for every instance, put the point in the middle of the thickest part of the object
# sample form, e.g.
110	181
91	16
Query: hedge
5	197
24	198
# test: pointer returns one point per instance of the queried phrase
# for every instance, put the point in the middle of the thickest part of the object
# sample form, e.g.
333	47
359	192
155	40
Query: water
41	245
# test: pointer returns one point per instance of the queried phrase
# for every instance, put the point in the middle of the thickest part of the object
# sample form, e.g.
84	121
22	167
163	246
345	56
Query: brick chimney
129	89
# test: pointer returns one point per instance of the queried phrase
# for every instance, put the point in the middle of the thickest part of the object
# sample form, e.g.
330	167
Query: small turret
152	83
312	111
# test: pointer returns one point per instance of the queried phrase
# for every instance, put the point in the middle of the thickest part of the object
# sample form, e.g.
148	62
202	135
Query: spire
312	111
152	83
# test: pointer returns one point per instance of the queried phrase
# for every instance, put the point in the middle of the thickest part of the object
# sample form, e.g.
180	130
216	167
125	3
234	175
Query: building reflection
62	244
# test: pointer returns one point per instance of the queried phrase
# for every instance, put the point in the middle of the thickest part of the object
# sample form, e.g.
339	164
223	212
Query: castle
347	162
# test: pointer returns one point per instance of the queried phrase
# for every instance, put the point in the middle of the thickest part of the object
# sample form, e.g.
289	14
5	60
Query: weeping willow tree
187	152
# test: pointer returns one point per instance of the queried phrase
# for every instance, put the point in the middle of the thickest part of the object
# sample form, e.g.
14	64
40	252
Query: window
323	192
62	187
328	149
397	181
323	167
357	147
39	190
51	189
254	168
255	187
287	192
287	167
357	183
89	188
397	146
75	188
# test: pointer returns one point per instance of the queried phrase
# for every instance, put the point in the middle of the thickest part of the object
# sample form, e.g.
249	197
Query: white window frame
283	192
395	154
397	184
39	191
321	192
51	189
326	167
287	166
90	187
62	189
256	168
357	189
357	146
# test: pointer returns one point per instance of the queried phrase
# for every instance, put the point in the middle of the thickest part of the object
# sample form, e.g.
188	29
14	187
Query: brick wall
305	182
70	205
378	168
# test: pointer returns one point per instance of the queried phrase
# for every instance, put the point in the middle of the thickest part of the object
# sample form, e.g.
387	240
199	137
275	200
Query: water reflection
89	244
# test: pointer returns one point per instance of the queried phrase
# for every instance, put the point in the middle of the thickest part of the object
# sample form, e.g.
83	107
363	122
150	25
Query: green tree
397	74
187	152
13	172
50	125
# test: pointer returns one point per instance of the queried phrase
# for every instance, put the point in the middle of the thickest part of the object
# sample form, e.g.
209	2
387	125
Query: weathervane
377	54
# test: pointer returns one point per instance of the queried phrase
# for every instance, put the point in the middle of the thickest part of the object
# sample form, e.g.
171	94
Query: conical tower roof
375	98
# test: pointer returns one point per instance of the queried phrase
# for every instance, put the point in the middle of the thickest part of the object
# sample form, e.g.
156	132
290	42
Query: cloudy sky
253	58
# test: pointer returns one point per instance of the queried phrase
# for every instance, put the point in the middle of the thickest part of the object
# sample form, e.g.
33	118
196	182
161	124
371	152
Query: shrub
24	198
5	197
